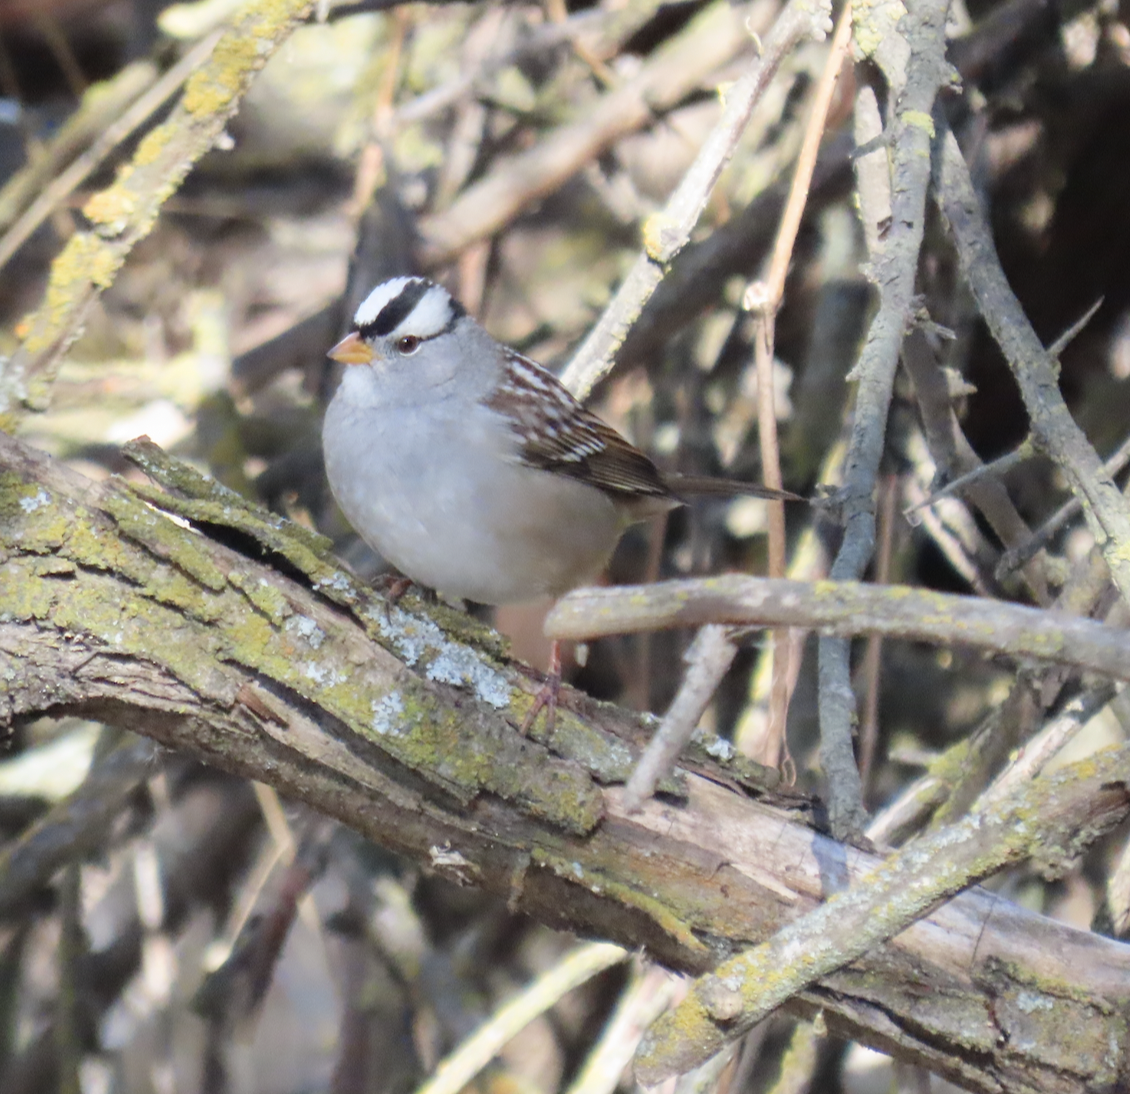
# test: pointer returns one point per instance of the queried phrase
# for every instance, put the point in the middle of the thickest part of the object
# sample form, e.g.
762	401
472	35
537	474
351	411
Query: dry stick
138	112
126	211
1034	369
577	967
764	299
952	453
69	954
913	91
847	608
648	994
1045	814
667	232
1018	556
609	28
76	826
995	468
1036	753
709	658
676	69
873	657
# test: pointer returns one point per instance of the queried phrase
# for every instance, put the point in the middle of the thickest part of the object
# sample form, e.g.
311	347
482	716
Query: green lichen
154	530
211	89
159	578
264	596
601	883
27	595
244	49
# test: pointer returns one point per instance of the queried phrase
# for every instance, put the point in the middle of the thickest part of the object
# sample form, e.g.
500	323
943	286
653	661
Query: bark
232	635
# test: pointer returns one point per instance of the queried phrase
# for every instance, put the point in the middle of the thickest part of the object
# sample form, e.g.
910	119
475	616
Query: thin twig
667	232
578	967
1033	368
1018	556
873	657
764	299
708	659
648	994
953	454
994	469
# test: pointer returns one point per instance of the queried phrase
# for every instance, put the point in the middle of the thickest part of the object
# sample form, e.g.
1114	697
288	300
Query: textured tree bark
232	635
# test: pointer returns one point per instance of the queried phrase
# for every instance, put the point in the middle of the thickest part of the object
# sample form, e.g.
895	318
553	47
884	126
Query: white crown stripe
431	315
383	294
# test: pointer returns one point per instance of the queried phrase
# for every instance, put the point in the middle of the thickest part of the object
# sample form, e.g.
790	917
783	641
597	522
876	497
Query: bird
471	468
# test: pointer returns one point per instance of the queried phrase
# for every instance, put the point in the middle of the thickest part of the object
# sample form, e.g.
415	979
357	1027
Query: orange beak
351	350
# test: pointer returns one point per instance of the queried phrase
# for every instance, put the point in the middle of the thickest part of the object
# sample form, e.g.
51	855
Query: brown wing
558	434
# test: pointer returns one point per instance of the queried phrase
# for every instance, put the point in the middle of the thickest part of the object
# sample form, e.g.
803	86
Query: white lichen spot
1030	1001
42	498
461	666
717	747
409	636
339	583
306	628
323	676
578	871
388	714
414	638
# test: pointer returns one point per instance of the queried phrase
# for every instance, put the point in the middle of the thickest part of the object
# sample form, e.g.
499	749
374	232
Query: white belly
463	518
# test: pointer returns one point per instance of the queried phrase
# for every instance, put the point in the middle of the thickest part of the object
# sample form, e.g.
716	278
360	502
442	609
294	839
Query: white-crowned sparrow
468	466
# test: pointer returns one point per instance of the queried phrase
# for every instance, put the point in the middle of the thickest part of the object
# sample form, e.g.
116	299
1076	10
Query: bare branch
125	212
402	725
1033	367
847	608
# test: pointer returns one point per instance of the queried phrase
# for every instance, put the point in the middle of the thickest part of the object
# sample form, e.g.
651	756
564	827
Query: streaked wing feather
558	434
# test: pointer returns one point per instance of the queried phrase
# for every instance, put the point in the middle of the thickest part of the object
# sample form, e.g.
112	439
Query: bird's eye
408	344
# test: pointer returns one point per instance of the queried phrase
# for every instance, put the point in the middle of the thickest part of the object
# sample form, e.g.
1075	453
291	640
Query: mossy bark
222	630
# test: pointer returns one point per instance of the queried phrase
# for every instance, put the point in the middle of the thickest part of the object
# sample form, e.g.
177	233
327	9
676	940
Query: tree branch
401	724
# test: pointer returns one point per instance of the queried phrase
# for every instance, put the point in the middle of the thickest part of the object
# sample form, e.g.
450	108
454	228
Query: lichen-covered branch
125	212
231	635
1041	818
847	608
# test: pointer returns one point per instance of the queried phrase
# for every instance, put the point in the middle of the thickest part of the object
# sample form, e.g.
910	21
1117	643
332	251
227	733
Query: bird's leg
397	587
546	698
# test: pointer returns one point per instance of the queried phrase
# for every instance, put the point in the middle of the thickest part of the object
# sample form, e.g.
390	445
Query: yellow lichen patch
85	260
212	89
151	147
27	595
919	120
112	207
659	233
